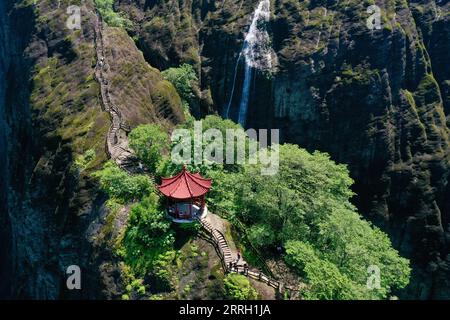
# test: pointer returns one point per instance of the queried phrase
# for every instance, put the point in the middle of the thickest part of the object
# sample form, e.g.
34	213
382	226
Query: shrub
122	186
184	79
238	287
149	142
82	161
114	19
148	235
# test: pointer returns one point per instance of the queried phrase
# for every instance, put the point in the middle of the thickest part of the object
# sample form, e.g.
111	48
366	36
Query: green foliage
122	186
308	202
222	197
83	161
325	281
261	235
135	287
163	273
224	125
184	78
148	235
207	167
358	75
114	19
238	287
354	245
149	142
292	202
428	90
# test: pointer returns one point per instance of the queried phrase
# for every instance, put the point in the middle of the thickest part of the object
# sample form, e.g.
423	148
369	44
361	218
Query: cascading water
258	55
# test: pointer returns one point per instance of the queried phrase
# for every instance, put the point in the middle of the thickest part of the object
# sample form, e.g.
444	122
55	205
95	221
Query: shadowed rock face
50	115
14	138
377	100
5	233
41	198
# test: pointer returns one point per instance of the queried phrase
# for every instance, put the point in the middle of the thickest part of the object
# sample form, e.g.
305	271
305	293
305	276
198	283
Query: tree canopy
150	143
122	186
305	208
184	78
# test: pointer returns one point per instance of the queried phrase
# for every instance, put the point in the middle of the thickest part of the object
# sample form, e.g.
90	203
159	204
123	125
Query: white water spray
257	53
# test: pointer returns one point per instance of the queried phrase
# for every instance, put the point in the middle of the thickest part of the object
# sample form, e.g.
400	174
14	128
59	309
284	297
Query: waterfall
258	55
227	113
243	106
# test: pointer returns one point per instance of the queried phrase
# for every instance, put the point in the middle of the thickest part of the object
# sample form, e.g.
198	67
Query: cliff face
377	100
51	119
44	202
14	137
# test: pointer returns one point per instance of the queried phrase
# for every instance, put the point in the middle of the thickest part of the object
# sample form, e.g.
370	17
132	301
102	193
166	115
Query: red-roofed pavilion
185	193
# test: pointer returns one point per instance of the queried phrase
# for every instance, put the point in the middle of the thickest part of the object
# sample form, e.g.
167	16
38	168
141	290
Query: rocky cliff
14	130
53	133
376	99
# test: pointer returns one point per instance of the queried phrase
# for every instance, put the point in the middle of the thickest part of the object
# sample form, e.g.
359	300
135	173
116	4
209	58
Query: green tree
209	122
150	142
148	235
324	280
184	79
238	287
354	245
122	186
114	19
308	201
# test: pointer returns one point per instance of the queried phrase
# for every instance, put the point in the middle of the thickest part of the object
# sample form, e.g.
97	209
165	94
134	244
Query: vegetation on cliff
304	209
113	18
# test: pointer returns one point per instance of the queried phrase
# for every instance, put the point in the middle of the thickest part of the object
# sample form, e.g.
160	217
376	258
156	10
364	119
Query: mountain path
213	225
117	145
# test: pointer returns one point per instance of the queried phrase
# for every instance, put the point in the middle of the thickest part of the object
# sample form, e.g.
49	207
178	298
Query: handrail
216	248
244	270
254	249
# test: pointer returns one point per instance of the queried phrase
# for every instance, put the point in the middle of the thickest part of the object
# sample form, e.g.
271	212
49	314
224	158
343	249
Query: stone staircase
228	260
117	145
220	240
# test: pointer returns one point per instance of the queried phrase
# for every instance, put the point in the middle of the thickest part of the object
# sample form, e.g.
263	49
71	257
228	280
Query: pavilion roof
185	185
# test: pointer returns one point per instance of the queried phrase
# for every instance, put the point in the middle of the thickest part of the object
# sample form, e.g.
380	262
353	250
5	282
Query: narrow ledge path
117	145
